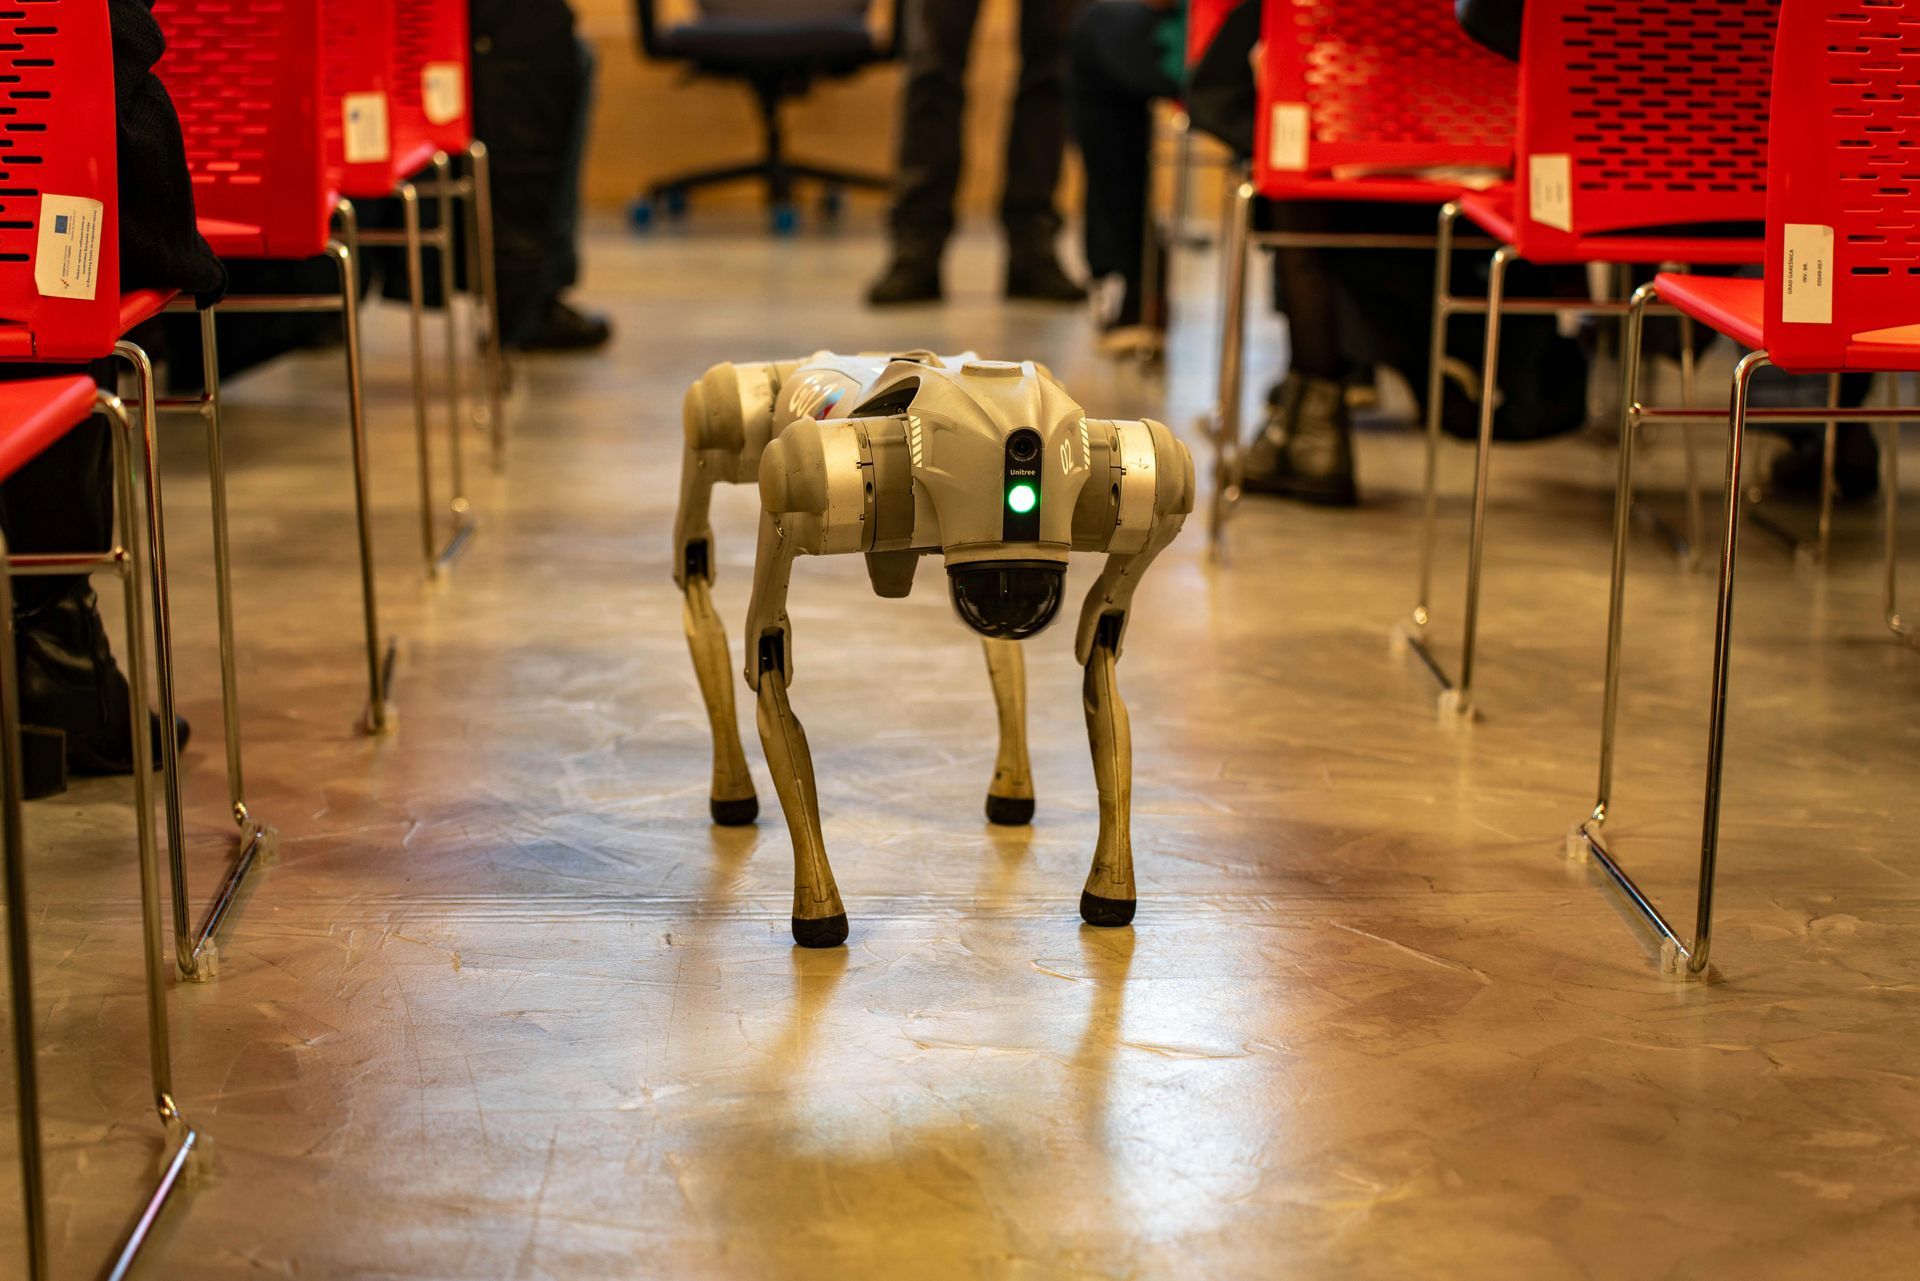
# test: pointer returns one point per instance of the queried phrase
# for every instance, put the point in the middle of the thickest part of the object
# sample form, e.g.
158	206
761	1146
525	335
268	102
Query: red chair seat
233	239
1728	304
1737	308
1492	212
1382	190
17	341
35	413
142	305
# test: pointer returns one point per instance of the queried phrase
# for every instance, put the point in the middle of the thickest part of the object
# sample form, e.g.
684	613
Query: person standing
938	36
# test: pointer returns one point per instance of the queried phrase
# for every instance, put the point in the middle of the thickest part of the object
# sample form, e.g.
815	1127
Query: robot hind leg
1010	795
731	800
1110	896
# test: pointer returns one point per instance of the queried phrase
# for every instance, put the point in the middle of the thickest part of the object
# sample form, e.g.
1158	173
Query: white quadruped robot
990	464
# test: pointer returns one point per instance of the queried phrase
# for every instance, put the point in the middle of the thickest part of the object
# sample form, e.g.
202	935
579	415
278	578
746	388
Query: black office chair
779	47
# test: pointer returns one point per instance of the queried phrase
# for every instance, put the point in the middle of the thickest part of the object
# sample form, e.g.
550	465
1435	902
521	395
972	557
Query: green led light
1023	499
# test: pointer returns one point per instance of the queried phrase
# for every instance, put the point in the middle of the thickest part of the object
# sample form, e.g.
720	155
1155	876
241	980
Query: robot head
998	455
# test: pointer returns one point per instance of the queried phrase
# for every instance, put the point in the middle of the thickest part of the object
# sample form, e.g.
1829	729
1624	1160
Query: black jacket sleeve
160	244
1494	23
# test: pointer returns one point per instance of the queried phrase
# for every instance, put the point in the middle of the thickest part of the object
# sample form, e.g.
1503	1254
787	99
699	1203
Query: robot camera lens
1023	447
1007	600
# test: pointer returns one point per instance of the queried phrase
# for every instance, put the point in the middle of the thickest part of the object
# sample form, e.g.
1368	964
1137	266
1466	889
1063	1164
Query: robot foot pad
1106	912
1009	811
739	813
825	931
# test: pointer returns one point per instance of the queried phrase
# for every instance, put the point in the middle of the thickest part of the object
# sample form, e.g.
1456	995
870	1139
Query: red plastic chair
1841	294
1642	133
33	415
60	300
261	91
1362	103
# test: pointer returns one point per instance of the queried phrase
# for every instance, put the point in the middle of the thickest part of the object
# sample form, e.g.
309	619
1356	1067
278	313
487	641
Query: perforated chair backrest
245	79
1843	197
1395	84
356	111
1641	113
58	183
431	77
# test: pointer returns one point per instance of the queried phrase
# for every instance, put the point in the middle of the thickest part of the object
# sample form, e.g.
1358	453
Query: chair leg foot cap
823	931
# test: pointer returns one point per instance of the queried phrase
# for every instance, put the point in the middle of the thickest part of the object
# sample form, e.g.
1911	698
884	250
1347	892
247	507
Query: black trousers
61	501
1115	72
939	38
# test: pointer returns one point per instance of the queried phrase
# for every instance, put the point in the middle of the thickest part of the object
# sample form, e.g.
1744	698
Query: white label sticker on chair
1550	198
365	115
443	92
66	262
1808	273
1287	137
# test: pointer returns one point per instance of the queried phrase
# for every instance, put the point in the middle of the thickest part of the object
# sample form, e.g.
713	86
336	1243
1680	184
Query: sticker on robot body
1807	298
1287	136
1550	191
443	92
815	395
66	261
365	116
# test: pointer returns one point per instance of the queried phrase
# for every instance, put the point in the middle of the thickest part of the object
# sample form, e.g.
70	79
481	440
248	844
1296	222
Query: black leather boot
913	276
1305	451
1035	275
70	683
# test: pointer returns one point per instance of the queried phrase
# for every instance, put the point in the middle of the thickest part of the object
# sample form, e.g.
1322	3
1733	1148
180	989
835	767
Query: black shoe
43	762
69	682
1305	451
564	328
1856	464
910	278
1038	277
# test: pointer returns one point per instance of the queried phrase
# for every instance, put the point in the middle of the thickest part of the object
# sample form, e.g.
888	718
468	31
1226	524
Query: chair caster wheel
832	201
640	214
740	813
1107	913
674	201
1009	811
825	931
786	220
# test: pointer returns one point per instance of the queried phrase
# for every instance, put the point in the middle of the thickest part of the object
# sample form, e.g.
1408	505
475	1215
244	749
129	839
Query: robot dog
990	464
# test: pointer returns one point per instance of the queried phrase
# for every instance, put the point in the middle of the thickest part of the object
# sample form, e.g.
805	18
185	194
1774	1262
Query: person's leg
1305	449
1036	145
938	35
526	96
1114	74
565	327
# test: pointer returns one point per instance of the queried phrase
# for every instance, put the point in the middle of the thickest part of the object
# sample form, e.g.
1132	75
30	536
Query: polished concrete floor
507	1006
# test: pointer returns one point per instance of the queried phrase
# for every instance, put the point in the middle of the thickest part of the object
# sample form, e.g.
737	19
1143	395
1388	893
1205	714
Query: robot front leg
1109	897
819	917
1010	797
731	800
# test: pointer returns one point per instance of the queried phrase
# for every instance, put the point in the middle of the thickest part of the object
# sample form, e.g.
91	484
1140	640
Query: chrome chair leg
1436	390
1696	503
1829	486
480	207
379	662
456	463
13	871
156	534
129	562
1226	418
1459	700
416	352
258	841
1890	518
